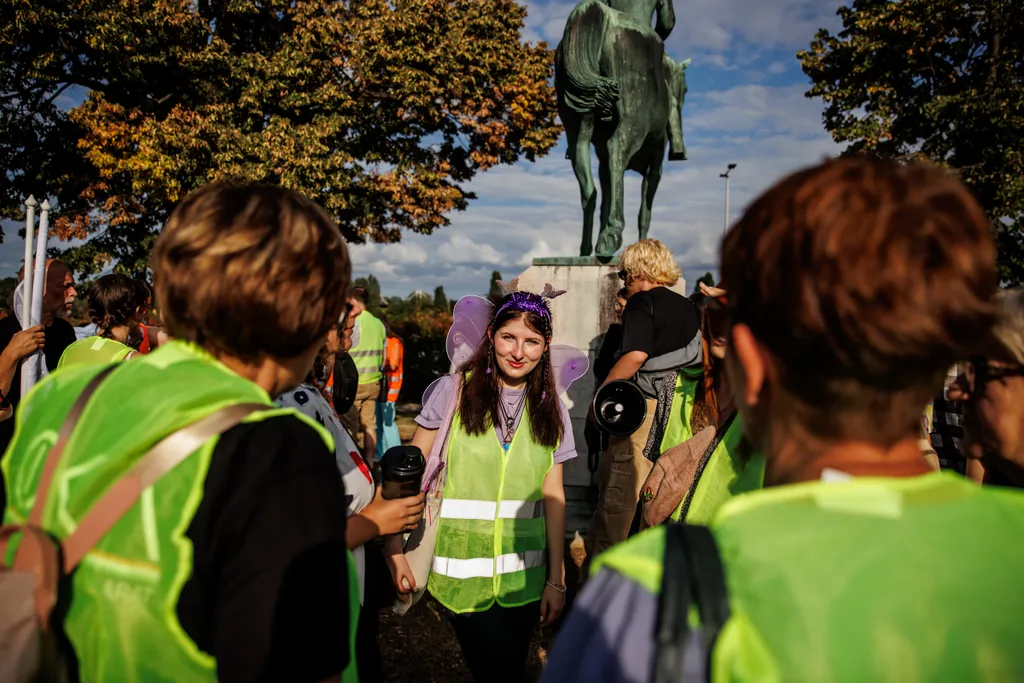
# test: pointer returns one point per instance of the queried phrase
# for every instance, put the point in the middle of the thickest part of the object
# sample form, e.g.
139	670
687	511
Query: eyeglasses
981	370
623	275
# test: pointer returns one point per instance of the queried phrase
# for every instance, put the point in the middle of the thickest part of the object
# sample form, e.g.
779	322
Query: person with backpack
203	527
851	287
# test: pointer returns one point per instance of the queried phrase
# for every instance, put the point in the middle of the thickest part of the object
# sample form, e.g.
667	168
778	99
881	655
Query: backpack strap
160	460
692	574
35	518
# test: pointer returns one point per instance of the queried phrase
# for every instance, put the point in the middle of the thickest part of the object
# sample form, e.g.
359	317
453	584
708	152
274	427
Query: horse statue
619	90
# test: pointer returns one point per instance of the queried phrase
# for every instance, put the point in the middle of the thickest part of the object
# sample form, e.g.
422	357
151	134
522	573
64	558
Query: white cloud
712	25
777	68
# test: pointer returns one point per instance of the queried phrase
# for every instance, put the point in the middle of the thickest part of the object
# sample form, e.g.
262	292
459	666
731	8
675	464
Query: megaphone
620	407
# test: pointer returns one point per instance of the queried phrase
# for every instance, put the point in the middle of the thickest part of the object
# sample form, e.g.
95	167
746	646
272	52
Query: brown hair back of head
865	280
250	270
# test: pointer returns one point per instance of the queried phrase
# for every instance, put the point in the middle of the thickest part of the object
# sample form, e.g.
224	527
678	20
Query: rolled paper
32	367
30	221
39	278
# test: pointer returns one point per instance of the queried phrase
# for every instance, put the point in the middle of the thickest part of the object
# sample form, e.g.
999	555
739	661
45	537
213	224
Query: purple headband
527	302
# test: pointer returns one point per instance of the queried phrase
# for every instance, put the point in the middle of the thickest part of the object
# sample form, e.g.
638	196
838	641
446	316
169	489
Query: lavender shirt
433	414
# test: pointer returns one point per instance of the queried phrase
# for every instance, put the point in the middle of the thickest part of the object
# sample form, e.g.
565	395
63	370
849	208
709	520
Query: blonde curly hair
650	260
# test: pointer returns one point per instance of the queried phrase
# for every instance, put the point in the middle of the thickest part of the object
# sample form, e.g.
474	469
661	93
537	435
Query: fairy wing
568	364
470	318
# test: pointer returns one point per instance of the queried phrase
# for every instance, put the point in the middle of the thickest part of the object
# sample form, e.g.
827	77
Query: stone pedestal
580	318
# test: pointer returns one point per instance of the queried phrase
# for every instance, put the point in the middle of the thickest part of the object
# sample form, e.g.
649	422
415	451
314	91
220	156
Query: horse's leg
579	144
651	180
676	77
610	238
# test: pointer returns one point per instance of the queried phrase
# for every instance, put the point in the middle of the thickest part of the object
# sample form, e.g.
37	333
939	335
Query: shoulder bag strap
692	574
673	628
160	459
53	457
704	459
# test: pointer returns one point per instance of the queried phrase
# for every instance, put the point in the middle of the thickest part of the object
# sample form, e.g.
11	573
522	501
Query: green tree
941	79
440	299
706	278
381	111
372	287
494	289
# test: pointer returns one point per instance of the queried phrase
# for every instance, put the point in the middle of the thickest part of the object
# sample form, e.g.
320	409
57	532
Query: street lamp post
726	176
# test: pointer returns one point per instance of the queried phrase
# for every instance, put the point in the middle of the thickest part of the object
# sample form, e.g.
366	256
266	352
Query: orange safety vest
144	347
394	353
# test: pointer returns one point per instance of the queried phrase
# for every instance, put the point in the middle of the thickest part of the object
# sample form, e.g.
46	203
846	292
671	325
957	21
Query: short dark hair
250	269
865	279
360	295
622	294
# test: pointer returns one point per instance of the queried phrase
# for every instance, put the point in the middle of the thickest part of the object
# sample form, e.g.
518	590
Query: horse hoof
608	244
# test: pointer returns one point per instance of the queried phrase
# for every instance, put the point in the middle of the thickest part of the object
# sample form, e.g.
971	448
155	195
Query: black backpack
692	575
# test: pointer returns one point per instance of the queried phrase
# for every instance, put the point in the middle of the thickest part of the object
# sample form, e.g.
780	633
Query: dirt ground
420	647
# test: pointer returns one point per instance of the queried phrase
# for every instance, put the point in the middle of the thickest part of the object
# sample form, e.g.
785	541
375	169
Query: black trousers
496	643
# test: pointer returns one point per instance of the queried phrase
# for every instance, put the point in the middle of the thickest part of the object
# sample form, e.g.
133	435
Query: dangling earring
544	376
490	356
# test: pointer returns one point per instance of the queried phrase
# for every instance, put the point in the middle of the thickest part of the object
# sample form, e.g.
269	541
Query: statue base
581	317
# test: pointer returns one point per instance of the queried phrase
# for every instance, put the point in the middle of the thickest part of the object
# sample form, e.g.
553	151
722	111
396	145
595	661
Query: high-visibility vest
728	472
122	620
871	579
491	540
93	350
395	353
677	430
368	354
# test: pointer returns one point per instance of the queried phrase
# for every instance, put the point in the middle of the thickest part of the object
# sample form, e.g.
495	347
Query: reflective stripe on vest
483	509
487	567
491	537
122	622
368	354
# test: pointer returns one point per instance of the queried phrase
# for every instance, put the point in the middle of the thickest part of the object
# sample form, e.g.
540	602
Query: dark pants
496	642
379	593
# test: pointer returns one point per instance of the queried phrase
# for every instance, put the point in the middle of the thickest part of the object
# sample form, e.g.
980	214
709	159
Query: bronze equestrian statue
619	90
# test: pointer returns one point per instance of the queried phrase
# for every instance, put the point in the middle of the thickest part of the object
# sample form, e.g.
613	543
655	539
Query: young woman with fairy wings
498	563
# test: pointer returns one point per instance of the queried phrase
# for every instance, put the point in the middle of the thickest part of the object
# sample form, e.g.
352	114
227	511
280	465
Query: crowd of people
822	488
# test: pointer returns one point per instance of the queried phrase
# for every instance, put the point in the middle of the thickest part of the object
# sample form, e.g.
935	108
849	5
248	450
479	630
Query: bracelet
560	589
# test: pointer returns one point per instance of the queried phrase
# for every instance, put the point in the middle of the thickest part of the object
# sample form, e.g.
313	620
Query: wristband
560	589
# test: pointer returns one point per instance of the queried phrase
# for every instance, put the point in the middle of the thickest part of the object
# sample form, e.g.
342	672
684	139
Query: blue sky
745	105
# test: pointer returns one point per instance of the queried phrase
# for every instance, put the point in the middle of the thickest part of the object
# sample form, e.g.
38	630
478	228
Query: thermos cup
402	470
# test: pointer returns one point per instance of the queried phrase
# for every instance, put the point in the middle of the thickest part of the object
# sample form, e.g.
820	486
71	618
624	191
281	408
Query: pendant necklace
509	415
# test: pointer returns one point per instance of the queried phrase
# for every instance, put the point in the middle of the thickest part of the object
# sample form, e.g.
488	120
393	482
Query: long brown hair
478	407
705	398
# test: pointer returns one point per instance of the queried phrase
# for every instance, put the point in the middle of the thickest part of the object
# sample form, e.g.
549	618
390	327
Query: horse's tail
585	90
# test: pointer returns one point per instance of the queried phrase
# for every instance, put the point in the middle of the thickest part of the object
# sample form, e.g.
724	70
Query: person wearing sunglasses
852	286
661	353
991	392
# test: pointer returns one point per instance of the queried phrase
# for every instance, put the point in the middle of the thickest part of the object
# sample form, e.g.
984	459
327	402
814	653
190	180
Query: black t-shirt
57	337
658	321
610	346
268	594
